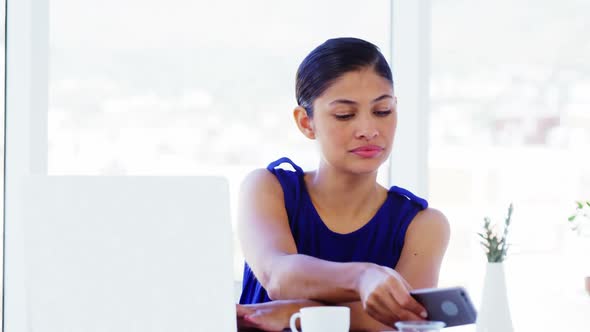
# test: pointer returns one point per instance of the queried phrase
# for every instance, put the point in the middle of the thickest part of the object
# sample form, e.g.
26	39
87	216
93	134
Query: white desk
546	294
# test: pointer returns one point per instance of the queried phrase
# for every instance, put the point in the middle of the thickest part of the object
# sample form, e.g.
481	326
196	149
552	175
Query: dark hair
332	59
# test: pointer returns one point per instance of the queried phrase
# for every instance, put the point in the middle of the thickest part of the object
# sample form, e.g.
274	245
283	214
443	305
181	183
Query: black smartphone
449	305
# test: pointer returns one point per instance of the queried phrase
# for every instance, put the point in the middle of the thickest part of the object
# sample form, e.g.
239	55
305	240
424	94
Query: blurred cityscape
510	92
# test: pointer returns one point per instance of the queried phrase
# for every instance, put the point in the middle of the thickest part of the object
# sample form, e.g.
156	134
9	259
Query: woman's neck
344	194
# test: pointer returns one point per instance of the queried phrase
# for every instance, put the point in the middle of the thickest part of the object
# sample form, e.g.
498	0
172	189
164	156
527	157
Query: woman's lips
367	151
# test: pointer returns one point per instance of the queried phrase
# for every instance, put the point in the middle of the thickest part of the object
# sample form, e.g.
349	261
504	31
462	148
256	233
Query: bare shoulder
261	197
430	221
260	180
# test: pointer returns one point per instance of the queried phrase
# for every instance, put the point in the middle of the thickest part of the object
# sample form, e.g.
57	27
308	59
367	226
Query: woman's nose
367	129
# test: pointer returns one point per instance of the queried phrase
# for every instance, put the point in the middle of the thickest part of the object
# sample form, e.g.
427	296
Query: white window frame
411	21
25	141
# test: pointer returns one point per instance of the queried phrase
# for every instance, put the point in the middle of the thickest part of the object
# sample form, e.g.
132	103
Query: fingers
242	310
405	300
249	321
245	325
386	297
391	301
262	321
383	308
269	316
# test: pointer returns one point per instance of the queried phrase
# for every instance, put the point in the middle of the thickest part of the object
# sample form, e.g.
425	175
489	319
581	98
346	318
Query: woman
334	235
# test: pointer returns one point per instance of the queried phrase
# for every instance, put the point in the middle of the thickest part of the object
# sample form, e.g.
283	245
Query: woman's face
354	121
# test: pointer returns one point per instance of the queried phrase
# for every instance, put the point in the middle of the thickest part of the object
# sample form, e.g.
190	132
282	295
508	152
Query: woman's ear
304	122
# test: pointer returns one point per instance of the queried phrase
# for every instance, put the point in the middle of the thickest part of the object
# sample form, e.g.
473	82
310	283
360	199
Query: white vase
494	312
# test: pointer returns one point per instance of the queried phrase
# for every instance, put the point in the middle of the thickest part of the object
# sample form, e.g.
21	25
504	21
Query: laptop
128	254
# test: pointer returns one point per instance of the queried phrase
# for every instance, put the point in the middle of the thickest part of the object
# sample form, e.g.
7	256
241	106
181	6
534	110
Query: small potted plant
581	217
579	222
494	312
496	245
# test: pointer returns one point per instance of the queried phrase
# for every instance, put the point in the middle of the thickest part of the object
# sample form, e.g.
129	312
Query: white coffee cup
322	319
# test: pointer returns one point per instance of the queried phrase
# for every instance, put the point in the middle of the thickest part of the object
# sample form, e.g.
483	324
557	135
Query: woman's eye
344	116
382	113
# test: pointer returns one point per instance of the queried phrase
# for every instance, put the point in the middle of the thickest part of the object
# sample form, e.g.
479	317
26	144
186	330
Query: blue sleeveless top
379	241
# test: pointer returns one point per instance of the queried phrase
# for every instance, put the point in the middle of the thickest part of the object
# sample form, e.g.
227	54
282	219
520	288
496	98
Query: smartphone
449	305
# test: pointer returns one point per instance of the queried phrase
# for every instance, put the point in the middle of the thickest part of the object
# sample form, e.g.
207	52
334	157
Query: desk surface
545	292
549	312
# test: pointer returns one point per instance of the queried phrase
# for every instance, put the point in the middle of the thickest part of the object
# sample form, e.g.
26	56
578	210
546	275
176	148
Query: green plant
496	244
581	214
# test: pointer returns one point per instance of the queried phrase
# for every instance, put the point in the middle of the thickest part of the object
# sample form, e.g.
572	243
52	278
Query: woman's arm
269	316
425	244
275	315
270	250
271	253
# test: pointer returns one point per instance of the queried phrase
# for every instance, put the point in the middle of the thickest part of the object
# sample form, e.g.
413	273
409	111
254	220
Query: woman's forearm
275	315
305	277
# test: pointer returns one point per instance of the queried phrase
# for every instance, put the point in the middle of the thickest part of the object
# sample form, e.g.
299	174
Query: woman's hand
385	296
270	316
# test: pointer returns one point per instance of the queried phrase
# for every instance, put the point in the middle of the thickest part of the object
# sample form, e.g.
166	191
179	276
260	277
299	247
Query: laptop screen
128	254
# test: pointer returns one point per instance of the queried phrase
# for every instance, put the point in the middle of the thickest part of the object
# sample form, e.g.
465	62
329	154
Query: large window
186	87
157	88
510	122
